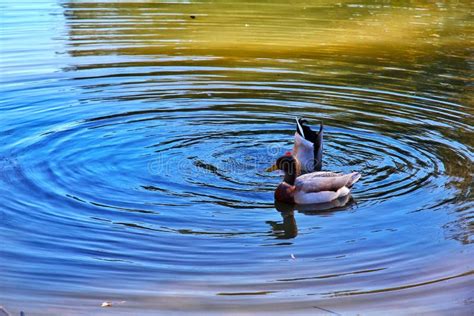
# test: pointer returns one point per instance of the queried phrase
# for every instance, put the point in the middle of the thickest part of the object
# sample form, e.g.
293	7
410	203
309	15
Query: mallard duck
308	147
312	188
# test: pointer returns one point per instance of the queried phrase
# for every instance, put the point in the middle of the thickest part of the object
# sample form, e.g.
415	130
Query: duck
308	146
311	188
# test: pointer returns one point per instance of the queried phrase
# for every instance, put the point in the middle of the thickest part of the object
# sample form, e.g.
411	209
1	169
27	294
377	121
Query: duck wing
314	138
325	181
302	198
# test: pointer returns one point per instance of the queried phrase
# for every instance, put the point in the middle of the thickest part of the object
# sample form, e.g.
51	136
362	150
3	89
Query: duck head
289	165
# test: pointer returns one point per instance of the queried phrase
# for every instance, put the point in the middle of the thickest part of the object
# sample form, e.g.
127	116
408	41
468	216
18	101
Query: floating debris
293	256
109	304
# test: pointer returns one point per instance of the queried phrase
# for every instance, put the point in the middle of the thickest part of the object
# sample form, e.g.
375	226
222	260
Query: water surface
135	135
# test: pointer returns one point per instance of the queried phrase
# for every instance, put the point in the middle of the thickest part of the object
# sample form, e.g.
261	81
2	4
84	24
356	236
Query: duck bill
272	168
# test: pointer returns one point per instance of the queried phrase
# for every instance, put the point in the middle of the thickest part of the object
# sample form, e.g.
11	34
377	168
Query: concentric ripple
135	143
201	158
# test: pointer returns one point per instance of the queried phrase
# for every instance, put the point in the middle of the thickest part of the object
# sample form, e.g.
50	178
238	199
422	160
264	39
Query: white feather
303	150
320	197
299	127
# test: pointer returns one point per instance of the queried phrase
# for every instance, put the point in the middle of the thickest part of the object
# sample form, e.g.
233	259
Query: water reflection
288	229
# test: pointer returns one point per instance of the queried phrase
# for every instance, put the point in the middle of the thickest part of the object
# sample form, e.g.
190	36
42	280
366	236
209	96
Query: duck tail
354	177
299	127
306	132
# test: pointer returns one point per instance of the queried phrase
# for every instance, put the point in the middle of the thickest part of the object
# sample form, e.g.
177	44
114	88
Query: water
135	135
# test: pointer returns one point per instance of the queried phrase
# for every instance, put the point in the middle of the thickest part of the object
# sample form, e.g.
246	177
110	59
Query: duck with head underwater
311	188
308	146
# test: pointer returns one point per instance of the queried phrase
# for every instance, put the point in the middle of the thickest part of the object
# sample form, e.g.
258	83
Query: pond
135	136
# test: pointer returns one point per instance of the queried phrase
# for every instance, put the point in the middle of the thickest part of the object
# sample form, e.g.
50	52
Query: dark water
134	138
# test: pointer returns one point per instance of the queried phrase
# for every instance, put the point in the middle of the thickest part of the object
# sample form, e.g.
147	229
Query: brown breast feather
285	193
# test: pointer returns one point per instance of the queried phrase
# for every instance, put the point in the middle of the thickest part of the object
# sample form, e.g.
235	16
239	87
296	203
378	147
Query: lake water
134	138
